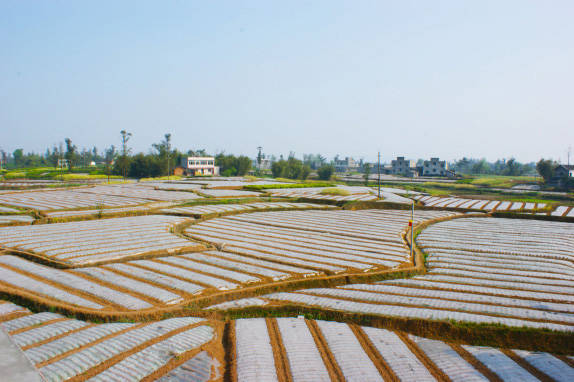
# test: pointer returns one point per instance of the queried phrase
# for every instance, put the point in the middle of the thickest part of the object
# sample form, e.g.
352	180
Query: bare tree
125	152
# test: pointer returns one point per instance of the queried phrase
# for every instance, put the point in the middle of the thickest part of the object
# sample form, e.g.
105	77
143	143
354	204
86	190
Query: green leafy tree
109	157
259	157
279	169
304	172
243	165
481	167
367	173
165	153
325	172
513	168
145	166
53	157
122	163
71	153
18	157
230	165
545	167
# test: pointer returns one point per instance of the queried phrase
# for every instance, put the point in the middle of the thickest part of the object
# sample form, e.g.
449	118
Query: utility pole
569	152
412	224
168	148
379	172
259	158
61	162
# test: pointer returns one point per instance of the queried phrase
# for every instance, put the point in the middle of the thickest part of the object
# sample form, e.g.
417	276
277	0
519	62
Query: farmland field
260	349
193	287
480	270
479	205
88	242
328	241
138	264
247	207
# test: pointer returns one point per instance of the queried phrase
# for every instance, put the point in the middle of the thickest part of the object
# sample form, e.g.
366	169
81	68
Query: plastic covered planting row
247	207
476	204
318	350
96	240
421	312
63	199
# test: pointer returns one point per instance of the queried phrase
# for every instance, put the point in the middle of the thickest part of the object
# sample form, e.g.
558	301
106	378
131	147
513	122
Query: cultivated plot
203	210
327	241
16	219
565	211
482	270
95	241
350	193
8	210
295	349
140	285
107	211
172	186
64	199
221	193
138	190
230	183
67	349
477	204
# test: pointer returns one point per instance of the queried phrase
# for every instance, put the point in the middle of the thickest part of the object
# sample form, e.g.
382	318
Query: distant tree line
511	167
160	160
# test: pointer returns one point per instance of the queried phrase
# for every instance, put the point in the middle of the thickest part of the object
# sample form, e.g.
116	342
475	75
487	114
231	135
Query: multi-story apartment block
435	167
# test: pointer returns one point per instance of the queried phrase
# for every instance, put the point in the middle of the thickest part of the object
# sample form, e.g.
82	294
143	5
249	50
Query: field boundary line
426	361
102	366
565	359
54	338
74	291
119	288
382	366
327	356
213	347
14	315
38	325
282	367
189	268
230	352
90	344
530	368
474	362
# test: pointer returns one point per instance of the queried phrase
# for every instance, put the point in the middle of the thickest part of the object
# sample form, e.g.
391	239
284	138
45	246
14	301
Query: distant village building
200	166
564	171
405	167
435	167
179	171
562	174
265	164
346	165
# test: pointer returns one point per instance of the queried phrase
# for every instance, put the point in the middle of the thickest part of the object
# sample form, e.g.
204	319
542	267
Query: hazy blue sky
416	78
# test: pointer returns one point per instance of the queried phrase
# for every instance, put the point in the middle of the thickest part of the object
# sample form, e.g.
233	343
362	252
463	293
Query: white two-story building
200	166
